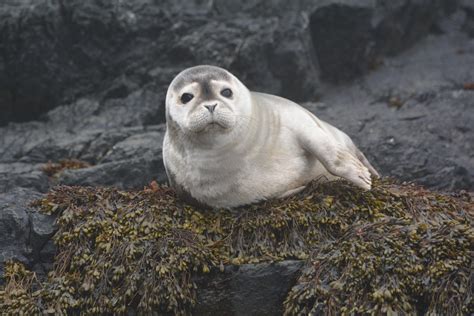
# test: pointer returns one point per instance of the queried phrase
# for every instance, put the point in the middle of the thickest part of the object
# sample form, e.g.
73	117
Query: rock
249	289
127	174
141	107
23	231
22	175
103	145
138	145
412	116
368	30
269	54
29	58
42	229
468	8
115	153
129	163
55	53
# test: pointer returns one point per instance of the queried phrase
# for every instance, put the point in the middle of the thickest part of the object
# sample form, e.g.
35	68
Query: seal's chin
219	124
214	126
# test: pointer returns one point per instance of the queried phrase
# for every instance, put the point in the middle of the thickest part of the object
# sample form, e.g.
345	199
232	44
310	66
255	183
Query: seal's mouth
214	123
214	126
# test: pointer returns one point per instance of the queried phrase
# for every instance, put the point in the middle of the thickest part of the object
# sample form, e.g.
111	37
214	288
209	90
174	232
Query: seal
226	146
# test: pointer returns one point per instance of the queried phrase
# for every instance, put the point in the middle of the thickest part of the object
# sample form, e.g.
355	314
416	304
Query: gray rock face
249	289
53	52
131	163
368	30
23	231
468	9
23	175
87	80
413	117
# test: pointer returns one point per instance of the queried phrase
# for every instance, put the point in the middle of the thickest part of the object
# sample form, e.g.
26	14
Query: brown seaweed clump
52	169
396	249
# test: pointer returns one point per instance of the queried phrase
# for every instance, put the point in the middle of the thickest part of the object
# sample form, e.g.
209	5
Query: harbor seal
226	146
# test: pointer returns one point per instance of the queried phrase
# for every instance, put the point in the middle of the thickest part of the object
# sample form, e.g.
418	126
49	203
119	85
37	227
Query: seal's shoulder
292	113
273	100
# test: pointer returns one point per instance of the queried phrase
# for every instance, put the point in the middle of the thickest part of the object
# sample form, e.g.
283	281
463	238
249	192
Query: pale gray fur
253	147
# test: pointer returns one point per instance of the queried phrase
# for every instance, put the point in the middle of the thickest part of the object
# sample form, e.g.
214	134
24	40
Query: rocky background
86	80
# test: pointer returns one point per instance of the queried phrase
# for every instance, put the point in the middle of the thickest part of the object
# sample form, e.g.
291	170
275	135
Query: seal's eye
186	97
226	93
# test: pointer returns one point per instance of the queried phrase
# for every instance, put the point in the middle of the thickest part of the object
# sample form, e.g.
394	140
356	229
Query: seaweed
53	169
398	248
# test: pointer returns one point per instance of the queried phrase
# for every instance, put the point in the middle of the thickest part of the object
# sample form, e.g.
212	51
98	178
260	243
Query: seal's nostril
211	107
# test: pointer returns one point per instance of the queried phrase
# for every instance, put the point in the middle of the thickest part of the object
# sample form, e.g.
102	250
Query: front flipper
366	163
337	158
349	167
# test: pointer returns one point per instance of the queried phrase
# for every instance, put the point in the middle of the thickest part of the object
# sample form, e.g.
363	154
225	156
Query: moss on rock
397	248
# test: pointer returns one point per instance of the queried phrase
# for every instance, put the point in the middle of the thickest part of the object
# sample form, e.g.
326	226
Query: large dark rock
249	289
413	116
23	175
54	52
131	163
468	8
24	232
350	37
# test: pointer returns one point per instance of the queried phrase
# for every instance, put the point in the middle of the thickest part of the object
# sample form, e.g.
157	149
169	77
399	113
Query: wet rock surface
249	289
24	231
413	115
87	80
54	52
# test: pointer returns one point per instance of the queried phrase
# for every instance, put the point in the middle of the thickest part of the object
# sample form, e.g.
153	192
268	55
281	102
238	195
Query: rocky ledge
85	82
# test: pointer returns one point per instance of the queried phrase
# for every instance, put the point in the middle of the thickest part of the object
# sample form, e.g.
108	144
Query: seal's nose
211	107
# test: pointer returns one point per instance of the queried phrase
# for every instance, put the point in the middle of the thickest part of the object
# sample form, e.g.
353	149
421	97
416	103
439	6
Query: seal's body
226	146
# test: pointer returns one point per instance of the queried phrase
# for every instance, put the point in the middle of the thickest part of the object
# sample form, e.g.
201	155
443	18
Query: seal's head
207	101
